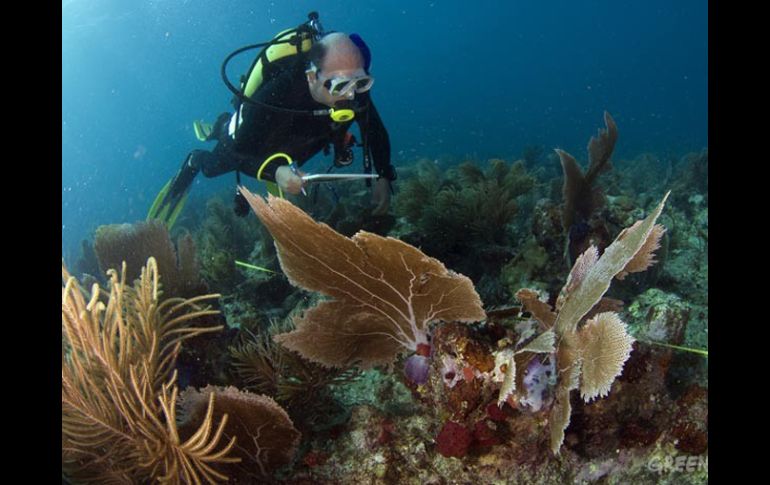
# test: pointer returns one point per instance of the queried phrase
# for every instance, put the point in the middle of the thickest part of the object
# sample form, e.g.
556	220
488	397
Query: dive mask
340	86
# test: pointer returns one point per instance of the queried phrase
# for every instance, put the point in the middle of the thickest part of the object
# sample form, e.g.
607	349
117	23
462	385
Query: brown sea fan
581	198
384	292
135	243
264	434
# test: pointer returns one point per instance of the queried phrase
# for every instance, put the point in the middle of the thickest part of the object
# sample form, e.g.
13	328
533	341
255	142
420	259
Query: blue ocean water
453	79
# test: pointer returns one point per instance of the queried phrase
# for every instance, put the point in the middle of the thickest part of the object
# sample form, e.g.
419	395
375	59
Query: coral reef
343	356
583	342
385	292
508	380
691	178
87	263
539	261
222	239
264	434
135	243
301	386
119	391
646	176
470	207
529	268
418	186
464	211
686	269
481	424
666	319
119	394
680	302
582	198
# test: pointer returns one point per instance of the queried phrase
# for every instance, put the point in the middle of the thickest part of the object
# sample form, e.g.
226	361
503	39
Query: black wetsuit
265	131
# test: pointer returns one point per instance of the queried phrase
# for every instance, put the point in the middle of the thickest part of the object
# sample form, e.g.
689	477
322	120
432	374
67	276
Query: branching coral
417	189
223	239
269	368
468	206
119	391
384	292
466	210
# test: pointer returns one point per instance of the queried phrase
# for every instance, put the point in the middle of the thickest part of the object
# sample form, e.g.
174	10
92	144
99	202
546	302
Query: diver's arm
378	145
378	142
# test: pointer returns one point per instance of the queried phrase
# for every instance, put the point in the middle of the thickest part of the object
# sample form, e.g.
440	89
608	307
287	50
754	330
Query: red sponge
454	440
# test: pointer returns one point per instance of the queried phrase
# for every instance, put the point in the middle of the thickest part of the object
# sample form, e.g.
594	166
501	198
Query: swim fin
202	130
167	208
170	200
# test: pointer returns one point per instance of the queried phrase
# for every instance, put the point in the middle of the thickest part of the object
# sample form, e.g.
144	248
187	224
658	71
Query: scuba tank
286	43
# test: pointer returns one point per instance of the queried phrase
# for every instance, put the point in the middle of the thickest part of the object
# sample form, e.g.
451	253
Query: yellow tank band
270	159
274	53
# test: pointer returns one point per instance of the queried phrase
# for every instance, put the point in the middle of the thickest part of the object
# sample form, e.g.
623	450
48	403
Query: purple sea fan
538	379
416	368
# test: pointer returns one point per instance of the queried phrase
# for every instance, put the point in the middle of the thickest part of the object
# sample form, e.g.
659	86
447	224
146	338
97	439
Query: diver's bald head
336	57
337	52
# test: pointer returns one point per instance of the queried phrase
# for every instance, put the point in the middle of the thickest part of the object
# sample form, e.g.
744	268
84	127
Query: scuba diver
300	96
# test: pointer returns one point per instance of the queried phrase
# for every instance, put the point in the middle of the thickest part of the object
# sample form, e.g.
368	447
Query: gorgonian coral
384	293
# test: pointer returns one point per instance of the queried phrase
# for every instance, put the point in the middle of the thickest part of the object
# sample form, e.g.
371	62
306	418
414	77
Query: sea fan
595	350
384	292
605	346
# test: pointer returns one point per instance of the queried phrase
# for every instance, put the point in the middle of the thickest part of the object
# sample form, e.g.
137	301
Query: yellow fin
155	208
202	130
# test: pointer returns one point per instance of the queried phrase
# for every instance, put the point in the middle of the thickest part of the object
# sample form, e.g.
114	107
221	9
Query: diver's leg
170	201
219	129
221	161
